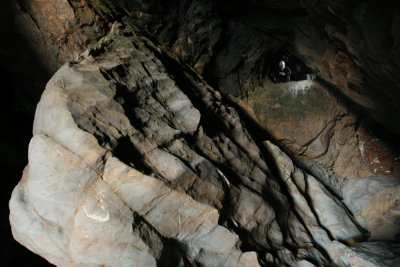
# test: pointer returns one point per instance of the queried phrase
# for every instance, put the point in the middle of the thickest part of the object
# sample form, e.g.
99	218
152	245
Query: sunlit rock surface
136	161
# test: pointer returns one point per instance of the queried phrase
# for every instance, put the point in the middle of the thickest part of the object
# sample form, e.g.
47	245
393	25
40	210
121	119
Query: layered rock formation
352	45
136	161
336	147
166	143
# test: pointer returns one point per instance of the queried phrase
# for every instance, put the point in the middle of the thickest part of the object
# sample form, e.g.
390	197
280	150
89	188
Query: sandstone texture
137	161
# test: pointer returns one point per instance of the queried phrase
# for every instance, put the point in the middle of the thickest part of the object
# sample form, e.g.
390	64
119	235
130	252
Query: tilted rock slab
136	161
329	140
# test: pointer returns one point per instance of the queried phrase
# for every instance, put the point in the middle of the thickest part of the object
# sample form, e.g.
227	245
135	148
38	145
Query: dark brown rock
353	45
41	36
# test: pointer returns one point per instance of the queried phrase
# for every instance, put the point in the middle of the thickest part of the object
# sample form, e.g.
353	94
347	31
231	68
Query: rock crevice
147	159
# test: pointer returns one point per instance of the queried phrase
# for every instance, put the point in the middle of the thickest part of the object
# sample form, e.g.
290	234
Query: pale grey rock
330	211
87	199
358	193
316	204
375	204
304	263
136	161
74	215
175	215
367	254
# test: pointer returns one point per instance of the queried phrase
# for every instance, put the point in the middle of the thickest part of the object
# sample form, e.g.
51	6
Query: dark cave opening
299	70
15	135
23	76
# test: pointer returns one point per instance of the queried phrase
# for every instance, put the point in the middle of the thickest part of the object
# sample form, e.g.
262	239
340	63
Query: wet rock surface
136	161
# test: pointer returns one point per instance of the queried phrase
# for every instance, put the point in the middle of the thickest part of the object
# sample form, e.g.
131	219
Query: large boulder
136	161
132	127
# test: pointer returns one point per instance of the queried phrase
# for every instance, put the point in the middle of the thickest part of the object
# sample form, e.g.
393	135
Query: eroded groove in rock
134	154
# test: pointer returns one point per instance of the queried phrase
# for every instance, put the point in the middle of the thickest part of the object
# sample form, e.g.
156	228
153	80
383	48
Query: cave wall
148	160
354	45
40	37
234	46
350	44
